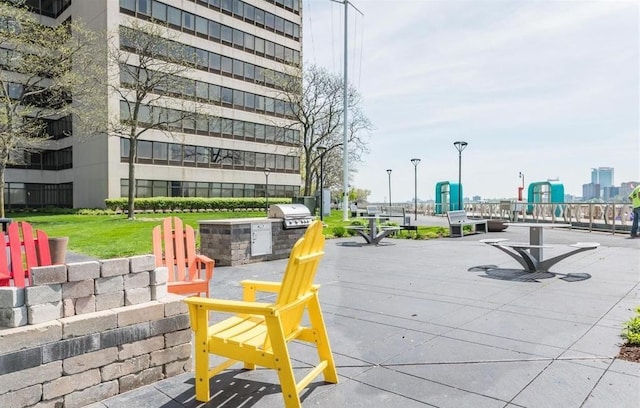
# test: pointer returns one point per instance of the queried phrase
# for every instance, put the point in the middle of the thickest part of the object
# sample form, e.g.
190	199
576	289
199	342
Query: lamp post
415	163
389	173
321	151
266	188
460	146
520	189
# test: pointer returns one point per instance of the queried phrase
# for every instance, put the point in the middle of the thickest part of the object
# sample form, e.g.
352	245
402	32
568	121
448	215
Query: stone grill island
240	241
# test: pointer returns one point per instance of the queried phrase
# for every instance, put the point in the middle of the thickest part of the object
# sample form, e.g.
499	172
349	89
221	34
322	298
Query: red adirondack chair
22	252
174	246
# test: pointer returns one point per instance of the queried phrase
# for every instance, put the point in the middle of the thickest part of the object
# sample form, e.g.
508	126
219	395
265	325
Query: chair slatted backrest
299	276
5	272
25	252
174	244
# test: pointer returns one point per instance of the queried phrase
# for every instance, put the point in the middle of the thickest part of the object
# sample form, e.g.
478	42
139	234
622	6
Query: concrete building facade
237	48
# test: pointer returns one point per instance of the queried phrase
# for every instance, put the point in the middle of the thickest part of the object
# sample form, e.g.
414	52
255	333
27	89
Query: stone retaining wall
88	331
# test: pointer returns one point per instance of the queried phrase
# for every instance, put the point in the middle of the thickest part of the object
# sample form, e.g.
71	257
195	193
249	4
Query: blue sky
547	88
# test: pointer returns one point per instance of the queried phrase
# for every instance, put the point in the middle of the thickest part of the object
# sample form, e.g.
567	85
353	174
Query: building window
159	11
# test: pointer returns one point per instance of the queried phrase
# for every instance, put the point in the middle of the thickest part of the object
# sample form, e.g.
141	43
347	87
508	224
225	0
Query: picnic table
529	254
373	233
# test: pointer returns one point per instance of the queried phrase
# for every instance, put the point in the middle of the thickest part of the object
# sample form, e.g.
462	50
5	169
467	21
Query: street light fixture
415	163
460	146
321	151
389	173
266	188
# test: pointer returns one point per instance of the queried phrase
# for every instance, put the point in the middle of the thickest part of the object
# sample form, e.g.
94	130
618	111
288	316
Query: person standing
635	203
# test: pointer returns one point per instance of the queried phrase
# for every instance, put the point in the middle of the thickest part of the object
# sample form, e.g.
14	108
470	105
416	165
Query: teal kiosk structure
545	192
447	194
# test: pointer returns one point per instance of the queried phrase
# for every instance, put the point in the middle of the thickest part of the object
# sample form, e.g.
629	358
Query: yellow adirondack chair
259	333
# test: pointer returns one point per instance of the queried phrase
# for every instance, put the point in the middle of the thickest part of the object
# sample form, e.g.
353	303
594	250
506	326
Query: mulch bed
630	353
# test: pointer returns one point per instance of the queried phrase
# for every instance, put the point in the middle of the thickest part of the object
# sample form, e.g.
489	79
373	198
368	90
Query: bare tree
45	74
315	99
151	67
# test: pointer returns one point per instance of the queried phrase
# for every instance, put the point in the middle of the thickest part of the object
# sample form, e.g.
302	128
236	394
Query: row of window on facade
49	8
191	23
136	41
56	128
174	154
44	160
165	188
38	195
250	43
184	88
238	8
213	125
34	95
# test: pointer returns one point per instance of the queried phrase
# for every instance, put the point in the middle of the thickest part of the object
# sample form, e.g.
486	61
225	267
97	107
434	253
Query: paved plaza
428	324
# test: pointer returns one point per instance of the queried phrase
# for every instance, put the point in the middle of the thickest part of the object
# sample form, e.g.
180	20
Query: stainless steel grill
293	215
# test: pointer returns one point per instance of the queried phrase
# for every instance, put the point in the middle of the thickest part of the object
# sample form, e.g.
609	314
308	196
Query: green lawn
113	236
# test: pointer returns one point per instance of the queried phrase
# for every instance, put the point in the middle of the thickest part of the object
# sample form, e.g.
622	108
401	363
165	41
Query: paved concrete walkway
424	324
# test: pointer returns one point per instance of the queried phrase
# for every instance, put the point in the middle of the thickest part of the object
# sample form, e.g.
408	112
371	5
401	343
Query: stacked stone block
87	331
84	287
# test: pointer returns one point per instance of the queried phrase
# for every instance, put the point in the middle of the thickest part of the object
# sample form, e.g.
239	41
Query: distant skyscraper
602	176
590	191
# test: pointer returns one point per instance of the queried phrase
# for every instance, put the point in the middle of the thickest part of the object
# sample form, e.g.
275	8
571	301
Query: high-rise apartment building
236	47
601	183
602	176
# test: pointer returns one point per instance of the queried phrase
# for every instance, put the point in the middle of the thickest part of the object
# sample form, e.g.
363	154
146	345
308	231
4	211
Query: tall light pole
266	188
321	152
345	114
389	173
460	147
520	189
415	163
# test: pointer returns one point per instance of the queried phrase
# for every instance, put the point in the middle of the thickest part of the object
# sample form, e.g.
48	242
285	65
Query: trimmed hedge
160	204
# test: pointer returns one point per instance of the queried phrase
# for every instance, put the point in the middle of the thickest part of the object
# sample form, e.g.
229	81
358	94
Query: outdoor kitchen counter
237	241
230	221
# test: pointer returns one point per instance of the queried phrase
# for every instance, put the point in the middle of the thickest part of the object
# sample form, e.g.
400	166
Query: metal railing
606	217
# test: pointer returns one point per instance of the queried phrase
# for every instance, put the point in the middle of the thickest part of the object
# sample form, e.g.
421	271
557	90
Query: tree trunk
132	178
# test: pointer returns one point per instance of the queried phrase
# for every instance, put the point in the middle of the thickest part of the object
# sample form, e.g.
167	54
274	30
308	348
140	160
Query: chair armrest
268	286
250	287
263	286
230	306
202	260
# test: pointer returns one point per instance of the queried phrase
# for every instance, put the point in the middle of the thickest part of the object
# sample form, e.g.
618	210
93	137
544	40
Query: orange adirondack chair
24	252
259	332
174	246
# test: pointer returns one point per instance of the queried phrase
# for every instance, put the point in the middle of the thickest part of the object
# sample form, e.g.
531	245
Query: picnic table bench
400	213
458	219
524	252
373	233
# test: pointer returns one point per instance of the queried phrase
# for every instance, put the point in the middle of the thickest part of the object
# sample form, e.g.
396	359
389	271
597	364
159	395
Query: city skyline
548	89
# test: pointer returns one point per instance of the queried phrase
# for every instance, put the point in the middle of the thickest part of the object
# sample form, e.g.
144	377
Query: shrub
339	231
632	329
95	211
182	204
